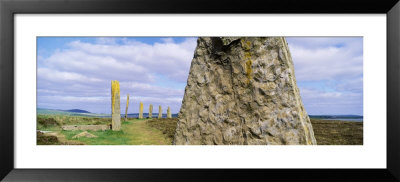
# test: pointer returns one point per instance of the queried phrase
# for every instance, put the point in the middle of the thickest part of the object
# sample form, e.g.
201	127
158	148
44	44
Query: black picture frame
9	8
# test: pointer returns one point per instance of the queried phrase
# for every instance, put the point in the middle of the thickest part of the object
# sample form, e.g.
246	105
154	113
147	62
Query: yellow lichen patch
127	101
141	110
247	55
114	92
245	44
248	68
248	45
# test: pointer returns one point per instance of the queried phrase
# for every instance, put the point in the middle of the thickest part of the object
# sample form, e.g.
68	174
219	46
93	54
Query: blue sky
76	72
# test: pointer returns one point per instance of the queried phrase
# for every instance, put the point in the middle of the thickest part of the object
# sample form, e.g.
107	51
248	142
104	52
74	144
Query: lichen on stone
115	93
221	107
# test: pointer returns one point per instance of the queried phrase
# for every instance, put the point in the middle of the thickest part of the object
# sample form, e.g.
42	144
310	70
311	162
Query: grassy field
333	132
161	131
133	132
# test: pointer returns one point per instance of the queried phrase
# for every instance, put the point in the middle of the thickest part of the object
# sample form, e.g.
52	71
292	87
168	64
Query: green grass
133	131
54	122
108	137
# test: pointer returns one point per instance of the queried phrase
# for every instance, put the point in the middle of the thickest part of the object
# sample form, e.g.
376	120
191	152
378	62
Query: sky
76	72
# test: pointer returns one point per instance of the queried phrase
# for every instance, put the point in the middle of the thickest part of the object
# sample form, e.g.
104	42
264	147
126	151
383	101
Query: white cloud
106	40
167	40
328	63
80	75
62	76
332	67
83	72
331	102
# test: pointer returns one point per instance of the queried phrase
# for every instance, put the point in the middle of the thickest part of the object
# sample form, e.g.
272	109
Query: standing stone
242	91
126	108
141	110
151	111
169	115
159	112
115	106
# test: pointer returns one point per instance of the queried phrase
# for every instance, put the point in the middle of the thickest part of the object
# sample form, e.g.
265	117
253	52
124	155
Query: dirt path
140	133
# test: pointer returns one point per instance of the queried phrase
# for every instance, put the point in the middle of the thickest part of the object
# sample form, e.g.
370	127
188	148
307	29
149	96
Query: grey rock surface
169	114
126	108
159	112
151	111
242	91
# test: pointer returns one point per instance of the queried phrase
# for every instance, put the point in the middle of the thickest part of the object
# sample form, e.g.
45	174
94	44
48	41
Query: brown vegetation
333	132
47	121
327	132
166	125
46	140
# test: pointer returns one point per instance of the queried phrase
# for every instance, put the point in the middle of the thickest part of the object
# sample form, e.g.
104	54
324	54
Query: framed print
121	91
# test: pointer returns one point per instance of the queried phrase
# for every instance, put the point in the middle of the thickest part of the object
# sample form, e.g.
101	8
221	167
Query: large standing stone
126	108
169	115
159	112
151	111
242	91
115	106
141	110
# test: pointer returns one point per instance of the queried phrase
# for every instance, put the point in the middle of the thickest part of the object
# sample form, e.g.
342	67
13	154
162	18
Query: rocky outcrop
242	91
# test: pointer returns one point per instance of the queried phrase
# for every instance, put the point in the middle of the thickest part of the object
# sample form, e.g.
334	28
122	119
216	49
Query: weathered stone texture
169	115
126	108
115	106
242	91
151	111
159	112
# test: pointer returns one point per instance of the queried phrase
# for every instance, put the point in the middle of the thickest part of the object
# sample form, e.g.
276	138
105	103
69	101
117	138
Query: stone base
116	122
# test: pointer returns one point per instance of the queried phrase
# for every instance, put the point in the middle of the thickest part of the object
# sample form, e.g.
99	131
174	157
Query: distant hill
71	112
336	116
76	110
80	112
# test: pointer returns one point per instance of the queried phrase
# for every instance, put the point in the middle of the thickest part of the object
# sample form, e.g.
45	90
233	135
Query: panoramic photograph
199	91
